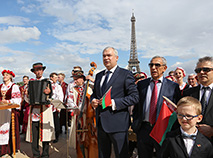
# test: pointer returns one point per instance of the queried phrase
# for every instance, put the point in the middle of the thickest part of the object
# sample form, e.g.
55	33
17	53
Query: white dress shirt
102	80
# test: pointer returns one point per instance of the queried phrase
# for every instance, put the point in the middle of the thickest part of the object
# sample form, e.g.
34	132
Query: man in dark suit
113	121
204	70
145	113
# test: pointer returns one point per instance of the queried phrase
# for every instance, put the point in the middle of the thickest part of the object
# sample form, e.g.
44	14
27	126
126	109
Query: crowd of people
135	104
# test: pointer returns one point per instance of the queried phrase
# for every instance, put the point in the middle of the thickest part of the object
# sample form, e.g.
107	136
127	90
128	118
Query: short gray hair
115	51
162	58
204	59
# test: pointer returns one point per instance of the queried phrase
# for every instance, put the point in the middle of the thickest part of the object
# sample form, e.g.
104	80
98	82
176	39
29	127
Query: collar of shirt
160	79
210	86
183	132
112	70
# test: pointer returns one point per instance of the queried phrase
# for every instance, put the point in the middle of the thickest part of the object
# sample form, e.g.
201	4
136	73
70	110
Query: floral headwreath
8	72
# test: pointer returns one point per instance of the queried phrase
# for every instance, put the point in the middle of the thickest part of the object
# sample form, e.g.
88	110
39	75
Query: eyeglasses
156	65
204	69
188	117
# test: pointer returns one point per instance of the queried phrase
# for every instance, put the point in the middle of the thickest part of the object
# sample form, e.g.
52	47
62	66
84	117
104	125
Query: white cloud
169	28
17	61
73	31
14	34
14	20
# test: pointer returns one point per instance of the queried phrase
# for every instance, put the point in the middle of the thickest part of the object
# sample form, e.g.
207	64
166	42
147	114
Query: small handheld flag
165	121
106	101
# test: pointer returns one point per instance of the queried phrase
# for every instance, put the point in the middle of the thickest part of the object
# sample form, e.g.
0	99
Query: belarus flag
106	101
165	121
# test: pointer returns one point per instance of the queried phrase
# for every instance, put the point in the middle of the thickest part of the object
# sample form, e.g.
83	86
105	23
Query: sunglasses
156	65
188	117
204	69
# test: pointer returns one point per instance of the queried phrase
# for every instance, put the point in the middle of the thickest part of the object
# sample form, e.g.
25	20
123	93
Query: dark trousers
145	143
35	142
119	141
56	124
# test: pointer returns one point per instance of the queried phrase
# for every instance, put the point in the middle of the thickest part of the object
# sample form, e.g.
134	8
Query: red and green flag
165	121
106	101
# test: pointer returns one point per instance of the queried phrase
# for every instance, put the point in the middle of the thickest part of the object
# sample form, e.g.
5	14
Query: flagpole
167	99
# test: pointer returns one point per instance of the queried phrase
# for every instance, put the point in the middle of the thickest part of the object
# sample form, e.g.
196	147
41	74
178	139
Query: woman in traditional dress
10	93
179	75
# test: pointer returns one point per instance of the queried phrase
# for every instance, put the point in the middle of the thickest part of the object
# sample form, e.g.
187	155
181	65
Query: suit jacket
195	92
169	89
124	92
173	146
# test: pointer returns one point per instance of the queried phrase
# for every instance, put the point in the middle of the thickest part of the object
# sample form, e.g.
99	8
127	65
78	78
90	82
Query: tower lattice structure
133	60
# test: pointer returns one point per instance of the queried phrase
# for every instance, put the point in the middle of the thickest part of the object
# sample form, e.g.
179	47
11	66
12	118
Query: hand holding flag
106	99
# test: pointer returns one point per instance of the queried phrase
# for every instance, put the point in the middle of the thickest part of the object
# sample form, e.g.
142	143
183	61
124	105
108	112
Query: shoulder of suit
101	72
173	133
144	82
191	89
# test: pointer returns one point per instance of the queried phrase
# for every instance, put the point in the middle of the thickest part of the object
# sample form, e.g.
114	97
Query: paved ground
57	150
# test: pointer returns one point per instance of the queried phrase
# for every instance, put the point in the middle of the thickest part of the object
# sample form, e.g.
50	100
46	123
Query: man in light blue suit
146	112
113	122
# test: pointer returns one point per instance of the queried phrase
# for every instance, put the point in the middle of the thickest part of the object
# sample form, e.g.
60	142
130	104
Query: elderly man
145	113
204	93
113	121
192	81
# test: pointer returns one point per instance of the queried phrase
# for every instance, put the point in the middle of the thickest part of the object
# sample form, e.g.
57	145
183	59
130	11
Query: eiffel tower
133	60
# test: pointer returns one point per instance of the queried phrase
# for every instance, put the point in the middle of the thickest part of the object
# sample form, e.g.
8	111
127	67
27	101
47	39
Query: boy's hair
190	101
26	77
62	74
53	73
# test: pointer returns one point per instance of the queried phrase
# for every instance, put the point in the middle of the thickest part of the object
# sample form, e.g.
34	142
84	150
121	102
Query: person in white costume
10	93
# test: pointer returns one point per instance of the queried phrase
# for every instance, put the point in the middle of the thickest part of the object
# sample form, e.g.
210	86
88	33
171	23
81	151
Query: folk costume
184	85
24	113
40	125
11	94
57	95
85	139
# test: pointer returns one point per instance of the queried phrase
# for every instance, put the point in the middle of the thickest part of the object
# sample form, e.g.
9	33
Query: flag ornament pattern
165	121
106	101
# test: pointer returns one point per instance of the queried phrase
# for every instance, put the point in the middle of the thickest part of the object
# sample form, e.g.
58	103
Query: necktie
105	82
203	100
184	136
153	104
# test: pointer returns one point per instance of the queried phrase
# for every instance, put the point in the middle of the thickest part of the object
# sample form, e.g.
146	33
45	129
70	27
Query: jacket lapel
196	92
99	91
160	98
198	144
210	103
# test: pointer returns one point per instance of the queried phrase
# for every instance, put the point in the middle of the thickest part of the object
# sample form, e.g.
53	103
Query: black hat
37	65
78	74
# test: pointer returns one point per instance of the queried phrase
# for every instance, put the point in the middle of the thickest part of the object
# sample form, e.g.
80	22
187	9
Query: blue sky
66	33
